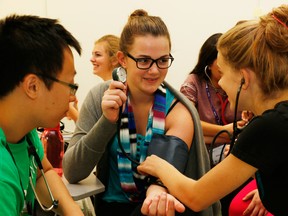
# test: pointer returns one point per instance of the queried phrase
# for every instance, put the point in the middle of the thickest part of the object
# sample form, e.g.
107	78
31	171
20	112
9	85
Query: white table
85	188
79	191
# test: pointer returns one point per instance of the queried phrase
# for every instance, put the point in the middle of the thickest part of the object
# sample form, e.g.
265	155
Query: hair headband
279	21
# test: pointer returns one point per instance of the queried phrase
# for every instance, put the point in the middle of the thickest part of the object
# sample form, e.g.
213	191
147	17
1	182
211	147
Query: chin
51	125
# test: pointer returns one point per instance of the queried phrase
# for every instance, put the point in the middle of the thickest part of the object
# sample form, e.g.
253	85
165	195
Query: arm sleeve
189	88
91	136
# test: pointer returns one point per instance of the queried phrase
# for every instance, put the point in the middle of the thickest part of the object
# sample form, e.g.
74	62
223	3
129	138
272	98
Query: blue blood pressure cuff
170	148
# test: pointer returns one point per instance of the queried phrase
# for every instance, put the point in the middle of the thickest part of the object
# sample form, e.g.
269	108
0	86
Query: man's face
60	95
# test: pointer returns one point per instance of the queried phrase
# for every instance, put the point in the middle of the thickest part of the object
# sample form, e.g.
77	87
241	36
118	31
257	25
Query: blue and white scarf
132	182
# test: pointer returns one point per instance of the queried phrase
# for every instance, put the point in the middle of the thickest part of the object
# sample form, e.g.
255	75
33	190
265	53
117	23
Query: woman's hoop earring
205	71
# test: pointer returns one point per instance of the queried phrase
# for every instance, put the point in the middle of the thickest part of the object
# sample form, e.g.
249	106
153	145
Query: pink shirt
198	92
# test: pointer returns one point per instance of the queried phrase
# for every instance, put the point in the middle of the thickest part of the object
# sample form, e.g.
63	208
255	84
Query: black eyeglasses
146	63
73	87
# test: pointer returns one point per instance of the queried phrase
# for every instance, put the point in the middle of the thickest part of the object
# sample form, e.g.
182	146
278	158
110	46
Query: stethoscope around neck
220	120
119	139
32	152
120	74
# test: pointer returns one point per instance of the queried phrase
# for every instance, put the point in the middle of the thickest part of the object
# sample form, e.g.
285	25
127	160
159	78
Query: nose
154	67
154	63
72	98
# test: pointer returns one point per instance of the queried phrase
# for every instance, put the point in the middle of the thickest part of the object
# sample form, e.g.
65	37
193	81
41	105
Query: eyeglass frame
73	86
153	61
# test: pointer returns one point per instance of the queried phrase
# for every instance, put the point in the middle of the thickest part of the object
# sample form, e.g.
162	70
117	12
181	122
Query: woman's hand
113	99
246	117
73	113
152	165
161	204
255	208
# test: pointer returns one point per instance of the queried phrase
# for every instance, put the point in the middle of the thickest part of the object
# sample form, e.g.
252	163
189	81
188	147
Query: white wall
190	23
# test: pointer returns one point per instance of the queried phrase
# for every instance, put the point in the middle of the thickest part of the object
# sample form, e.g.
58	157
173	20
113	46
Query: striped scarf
132	182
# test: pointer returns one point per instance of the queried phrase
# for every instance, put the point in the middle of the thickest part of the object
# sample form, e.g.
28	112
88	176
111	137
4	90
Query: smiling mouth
151	79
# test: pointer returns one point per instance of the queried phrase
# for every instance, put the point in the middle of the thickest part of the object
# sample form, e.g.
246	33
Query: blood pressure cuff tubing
170	148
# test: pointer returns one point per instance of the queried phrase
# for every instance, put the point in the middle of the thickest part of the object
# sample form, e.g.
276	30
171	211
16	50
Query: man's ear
31	85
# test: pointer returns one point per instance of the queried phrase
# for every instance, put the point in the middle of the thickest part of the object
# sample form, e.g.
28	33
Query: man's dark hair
31	44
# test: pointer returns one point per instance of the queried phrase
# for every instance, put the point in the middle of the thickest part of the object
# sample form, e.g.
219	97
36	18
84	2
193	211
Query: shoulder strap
172	106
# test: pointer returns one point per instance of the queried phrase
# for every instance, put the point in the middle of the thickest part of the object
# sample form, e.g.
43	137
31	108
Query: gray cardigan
93	133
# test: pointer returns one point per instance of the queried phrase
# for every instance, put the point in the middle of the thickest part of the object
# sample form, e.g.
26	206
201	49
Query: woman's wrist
159	183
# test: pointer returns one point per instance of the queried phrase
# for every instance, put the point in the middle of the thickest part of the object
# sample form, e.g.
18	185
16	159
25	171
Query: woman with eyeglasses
121	120
253	61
